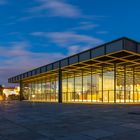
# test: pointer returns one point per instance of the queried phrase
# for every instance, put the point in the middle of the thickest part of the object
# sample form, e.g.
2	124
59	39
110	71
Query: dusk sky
36	32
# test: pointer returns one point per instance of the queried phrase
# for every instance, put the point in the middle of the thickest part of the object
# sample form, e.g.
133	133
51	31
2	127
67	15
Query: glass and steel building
109	73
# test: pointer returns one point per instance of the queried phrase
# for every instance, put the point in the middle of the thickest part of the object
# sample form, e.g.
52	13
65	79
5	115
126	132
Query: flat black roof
117	45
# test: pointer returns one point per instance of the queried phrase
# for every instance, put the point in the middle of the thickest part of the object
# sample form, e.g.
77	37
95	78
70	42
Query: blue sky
37	32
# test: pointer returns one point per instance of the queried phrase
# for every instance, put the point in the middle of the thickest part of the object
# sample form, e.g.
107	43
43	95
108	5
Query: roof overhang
120	52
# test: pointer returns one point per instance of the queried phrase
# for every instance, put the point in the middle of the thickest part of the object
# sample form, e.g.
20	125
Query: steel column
114	82
91	84
82	86
21	91
60	86
133	84
102	83
124	83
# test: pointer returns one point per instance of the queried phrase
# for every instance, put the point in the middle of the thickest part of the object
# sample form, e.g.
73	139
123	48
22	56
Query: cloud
19	52
16	58
85	26
56	8
102	32
73	41
67	38
75	49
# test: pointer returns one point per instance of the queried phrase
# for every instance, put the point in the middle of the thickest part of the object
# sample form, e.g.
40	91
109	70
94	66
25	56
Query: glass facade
45	89
101	84
106	84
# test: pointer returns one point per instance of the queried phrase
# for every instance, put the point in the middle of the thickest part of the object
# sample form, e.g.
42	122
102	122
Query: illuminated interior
41	90
99	85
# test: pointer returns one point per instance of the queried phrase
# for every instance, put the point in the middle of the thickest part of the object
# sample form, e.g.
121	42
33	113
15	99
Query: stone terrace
46	121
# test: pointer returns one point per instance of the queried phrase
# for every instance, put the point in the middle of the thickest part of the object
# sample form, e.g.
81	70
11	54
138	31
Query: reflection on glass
41	90
95	84
108	84
87	88
78	89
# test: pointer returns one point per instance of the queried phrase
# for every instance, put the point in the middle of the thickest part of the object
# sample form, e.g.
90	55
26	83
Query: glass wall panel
137	84
25	90
96	87
87	87
108	84
53	90
45	89
129	84
39	92
78	88
56	89
33	91
120	84
71	92
64	89
29	91
36	90
48	89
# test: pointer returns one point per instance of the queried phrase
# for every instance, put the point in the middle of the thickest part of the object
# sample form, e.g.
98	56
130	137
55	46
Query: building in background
1	93
109	73
11	93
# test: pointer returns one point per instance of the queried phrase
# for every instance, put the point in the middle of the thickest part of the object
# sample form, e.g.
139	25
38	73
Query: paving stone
75	137
45	133
14	130
43	121
132	125
133	135
118	130
24	136
98	133
5	125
